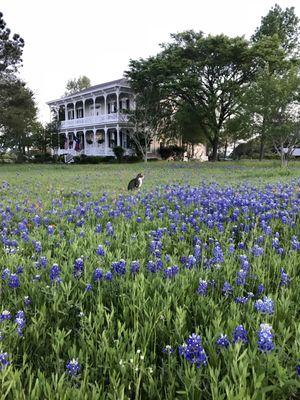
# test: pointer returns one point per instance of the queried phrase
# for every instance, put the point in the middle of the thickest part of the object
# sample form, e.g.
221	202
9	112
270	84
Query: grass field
187	289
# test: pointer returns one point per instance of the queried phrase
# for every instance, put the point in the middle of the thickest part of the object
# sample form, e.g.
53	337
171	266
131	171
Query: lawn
187	289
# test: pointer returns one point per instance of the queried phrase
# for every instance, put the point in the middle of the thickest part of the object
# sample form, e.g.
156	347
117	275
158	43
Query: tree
11	49
284	24
18	115
45	137
76	85
276	44
207	73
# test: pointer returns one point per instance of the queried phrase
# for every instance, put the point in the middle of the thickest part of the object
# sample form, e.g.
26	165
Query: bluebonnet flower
134	267
257	251
139	220
171	271
295	243
241	277
260	289
265	306
98	275
285	279
197	252
5	274
265	338
167	257
37	247
110	229
78	267
227	289
55	273
20	320
98	228
223	341
4	360
100	250
27	301
298	370
193	351
50	229
13	281
240	334
88	287
119	267
73	367
19	270
108	276
190	261
202	288
5	315
168	350
241	299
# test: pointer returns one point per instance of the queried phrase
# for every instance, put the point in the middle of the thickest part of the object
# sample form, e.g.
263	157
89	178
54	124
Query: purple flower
285	279
227	289
88	287
202	288
78	267
193	351
171	271
265	306
13	281
265	337
5	315
4	360
134	267
73	367
223	341
119	267
240	334
55	273
98	275
100	251
168	350
108	276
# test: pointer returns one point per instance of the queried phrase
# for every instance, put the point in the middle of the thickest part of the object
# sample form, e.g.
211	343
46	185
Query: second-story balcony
94	120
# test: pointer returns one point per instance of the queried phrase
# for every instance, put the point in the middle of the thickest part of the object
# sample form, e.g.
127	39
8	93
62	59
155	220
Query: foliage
77	84
119	152
173	151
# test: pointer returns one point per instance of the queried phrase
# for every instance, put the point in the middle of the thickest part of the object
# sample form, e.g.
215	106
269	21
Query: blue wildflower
168	350
100	250
55	273
240	334
134	267
98	275
73	367
265	306
202	288
78	267
4	360
193	351
285	279
223	341
265	337
227	289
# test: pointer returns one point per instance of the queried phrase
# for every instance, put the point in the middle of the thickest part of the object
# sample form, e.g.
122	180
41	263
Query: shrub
174	151
119	152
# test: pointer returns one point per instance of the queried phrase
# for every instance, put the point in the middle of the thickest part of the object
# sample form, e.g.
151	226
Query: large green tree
276	45
206	72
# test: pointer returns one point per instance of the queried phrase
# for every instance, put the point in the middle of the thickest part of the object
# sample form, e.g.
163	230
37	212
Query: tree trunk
261	148
214	156
225	150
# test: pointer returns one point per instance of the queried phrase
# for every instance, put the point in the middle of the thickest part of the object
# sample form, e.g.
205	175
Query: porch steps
69	158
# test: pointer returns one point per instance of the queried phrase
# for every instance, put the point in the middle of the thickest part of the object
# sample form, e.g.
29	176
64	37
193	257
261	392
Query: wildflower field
186	289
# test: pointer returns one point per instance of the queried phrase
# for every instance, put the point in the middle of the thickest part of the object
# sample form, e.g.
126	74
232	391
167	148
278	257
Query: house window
127	104
80	113
70	114
108	108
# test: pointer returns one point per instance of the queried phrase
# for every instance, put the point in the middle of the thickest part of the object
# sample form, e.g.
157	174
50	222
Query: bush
42	158
119	152
173	151
131	159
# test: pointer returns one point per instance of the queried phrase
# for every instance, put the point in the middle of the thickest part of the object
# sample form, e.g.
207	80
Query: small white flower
142	357
131	360
138	351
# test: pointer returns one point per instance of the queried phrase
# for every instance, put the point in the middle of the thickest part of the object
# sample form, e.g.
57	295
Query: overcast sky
68	38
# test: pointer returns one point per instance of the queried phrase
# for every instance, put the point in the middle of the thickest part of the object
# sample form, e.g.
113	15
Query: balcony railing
93	120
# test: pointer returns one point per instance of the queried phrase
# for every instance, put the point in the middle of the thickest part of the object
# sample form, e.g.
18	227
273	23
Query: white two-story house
94	121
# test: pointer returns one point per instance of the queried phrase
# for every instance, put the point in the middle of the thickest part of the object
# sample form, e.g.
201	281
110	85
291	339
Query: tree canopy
77	84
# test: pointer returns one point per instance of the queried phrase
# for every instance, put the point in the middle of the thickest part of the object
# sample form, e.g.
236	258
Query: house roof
95	88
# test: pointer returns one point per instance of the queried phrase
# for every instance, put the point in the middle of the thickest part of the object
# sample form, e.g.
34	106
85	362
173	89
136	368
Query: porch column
75	135
94	107
105	105
83	108
118	136
117	110
74	105
105	140
84	141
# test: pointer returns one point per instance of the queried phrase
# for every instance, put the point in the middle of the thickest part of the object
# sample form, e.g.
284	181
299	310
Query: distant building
94	121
